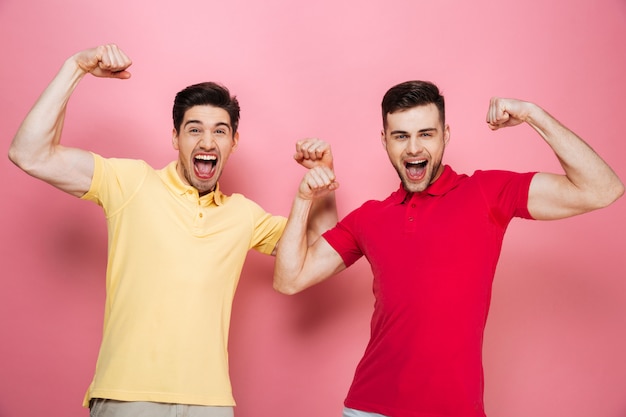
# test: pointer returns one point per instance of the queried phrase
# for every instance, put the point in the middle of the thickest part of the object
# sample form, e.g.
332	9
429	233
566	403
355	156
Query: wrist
304	199
533	114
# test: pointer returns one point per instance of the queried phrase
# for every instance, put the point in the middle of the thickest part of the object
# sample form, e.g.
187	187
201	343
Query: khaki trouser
111	408
351	412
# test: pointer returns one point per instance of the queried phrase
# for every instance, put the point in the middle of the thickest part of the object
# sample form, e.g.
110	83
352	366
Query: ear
235	141
446	134
175	139
383	138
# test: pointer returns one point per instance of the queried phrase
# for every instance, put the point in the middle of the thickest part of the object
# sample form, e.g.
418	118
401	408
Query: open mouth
416	169
204	165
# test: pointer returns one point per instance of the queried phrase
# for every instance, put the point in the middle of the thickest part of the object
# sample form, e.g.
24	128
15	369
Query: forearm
292	248
303	258
322	217
595	182
41	130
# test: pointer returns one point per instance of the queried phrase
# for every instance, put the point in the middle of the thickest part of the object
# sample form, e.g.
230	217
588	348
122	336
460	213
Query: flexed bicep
36	147
553	197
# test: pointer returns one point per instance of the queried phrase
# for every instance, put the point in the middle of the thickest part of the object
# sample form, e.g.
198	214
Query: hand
107	61
318	182
313	152
504	112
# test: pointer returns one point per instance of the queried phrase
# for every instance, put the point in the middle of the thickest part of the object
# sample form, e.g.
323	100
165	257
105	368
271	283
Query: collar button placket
410	219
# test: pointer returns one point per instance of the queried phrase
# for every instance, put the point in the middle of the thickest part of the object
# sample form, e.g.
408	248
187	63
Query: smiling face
415	140
204	142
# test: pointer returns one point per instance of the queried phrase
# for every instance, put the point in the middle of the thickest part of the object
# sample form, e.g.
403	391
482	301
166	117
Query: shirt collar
177	185
446	182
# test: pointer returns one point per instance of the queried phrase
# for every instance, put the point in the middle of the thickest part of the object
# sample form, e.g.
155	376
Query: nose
414	146
206	142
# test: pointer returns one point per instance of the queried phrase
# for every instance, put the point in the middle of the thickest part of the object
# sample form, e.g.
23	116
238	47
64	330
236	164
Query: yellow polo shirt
173	267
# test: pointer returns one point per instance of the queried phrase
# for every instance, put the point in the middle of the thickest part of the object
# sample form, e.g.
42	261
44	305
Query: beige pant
110	408
351	412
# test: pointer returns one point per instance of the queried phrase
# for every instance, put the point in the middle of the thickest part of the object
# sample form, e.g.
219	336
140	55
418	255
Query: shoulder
121	164
505	192
496	173
238	201
369	206
500	177
116	179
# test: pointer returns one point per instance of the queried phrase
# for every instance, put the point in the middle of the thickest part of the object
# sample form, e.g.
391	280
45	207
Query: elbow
286	288
619	190
604	199
613	193
14	156
20	159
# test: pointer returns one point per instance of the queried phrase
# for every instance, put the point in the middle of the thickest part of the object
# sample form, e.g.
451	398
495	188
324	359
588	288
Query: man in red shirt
433	246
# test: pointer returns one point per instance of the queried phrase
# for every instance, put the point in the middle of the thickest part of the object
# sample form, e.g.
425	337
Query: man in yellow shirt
176	245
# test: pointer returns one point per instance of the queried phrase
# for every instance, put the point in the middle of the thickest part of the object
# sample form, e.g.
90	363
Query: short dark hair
207	93
410	94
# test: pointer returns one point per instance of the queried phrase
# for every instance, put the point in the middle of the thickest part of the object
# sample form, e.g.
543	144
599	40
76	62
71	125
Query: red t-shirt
433	256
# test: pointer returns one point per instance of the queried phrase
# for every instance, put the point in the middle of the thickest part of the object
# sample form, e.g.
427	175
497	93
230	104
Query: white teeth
206	157
416	162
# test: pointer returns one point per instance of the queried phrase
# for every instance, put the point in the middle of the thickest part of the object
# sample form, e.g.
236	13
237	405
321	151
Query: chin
413	187
203	187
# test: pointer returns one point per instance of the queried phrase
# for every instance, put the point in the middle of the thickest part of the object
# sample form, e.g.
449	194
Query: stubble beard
421	186
201	186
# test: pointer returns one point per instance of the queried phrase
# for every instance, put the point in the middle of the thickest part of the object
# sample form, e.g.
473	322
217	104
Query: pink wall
556	338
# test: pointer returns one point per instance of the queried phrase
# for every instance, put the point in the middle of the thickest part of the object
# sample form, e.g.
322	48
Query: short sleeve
344	238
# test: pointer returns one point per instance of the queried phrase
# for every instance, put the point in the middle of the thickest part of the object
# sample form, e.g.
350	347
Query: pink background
556	339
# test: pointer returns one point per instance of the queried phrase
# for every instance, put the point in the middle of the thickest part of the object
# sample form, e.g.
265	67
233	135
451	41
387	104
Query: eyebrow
188	122
428	129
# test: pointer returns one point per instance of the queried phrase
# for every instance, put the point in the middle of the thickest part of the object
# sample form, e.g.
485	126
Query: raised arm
588	183
36	147
312	153
303	257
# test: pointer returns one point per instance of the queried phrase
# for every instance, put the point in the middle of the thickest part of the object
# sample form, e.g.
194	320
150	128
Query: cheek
225	156
395	152
226	149
185	145
436	150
